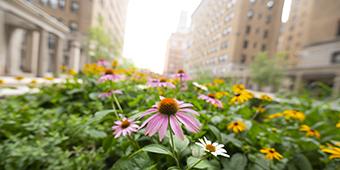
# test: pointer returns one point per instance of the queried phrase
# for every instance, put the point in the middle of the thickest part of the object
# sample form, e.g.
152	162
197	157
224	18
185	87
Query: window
250	14
73	26
61	4
264	47
270	4
265	34
243	58
44	2
269	19
336	57
245	44
248	29
338	32
74	6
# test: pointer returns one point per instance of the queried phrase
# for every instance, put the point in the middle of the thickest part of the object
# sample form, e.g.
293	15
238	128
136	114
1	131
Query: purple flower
210	98
170	112
109	77
162	82
124	127
182	75
109	93
103	63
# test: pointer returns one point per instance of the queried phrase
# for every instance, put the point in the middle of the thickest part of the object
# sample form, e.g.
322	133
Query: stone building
227	35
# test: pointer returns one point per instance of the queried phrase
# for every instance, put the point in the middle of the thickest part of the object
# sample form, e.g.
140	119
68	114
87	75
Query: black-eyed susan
2	81
266	98
218	81
114	63
338	125
19	78
221	94
294	114
271	153
237	126
309	131
49	78
333	150
238	87
259	109
275	115
241	97
72	72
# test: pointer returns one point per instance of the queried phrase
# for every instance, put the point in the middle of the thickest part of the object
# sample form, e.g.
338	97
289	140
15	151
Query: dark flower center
162	80
271	151
210	147
237	94
168	106
211	96
125	124
235	123
108	71
180	71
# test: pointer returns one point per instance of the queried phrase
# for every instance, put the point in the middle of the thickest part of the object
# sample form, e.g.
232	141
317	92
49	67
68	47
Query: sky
149	25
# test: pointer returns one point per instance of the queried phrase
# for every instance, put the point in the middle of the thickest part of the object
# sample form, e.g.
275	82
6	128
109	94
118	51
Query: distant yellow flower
334	151
309	131
259	109
19	78
238	87
271	153
338	125
49	78
33	82
93	69
275	115
63	68
114	63
2	81
266	98
241	97
293	114
237	126
218	81
219	95
72	72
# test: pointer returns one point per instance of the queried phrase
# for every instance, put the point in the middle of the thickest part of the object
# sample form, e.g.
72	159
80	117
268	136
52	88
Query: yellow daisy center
168	106
210	147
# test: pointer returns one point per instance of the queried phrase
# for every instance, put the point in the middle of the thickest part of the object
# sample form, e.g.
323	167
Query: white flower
200	86
213	148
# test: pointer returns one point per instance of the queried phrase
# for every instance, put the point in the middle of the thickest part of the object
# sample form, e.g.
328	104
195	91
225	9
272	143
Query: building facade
79	17
227	35
311	40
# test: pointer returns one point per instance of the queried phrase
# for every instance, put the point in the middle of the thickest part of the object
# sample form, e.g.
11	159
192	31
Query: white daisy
200	86
213	148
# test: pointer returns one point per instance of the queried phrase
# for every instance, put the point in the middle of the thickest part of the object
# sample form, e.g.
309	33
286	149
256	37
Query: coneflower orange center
168	106
180	71
210	147
125	124
162	80
211	96
108	71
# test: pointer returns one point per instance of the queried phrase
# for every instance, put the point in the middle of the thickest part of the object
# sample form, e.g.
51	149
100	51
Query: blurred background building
228	34
51	33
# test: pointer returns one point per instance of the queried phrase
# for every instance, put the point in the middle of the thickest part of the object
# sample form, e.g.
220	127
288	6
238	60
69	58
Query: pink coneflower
171	111
210	98
109	93
103	63
124	127
109	77
162	82
182	75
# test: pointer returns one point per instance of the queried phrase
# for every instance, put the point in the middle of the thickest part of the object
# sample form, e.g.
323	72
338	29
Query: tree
267	71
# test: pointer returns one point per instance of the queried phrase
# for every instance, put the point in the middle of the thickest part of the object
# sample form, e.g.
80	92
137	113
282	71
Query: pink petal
158	123
163	128
189	111
152	110
185	105
153	124
189	122
147	120
176	128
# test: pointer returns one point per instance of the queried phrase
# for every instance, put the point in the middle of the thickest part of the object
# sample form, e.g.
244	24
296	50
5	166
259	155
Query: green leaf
302	163
204	164
237	162
139	161
98	116
181	145
155	148
215	131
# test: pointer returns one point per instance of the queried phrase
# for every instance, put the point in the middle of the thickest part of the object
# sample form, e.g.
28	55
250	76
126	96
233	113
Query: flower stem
197	162
115	110
134	142
117	102
172	146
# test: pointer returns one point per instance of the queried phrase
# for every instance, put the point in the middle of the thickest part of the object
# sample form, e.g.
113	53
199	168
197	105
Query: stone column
43	53
3	44
75	56
298	82
59	55
336	86
32	49
14	51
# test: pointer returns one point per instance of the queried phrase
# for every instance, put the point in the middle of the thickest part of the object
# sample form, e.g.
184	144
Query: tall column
3	44
14	51
336	86
59	55
32	50
298	82
75	56
43	53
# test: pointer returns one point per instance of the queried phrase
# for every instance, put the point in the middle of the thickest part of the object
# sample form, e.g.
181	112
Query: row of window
245	45
61	4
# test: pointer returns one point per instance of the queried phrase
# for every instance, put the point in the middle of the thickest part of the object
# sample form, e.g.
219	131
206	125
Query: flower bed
127	119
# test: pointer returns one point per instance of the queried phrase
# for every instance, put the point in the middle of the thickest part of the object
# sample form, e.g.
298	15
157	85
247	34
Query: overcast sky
149	25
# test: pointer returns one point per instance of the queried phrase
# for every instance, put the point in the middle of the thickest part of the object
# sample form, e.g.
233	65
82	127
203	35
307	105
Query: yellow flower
338	125
237	126
293	114
33	82
218	81
241	97
72	72
271	153
114	63
219	95
309	131
266	98
238	87
63	68
259	109
2	81
19	78
275	115
334	151
93	69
